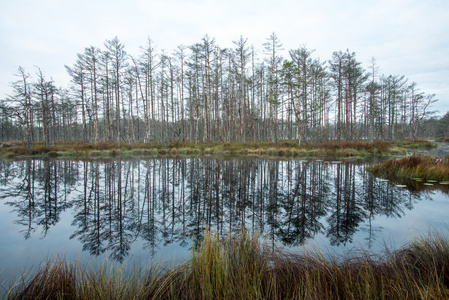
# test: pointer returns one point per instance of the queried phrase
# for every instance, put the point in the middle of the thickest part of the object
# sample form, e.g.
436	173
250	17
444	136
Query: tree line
205	93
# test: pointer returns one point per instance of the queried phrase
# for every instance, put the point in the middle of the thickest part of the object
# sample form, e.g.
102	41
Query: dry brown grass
241	268
414	166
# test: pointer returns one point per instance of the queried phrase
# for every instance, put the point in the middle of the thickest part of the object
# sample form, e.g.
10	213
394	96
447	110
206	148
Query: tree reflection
164	201
33	188
305	205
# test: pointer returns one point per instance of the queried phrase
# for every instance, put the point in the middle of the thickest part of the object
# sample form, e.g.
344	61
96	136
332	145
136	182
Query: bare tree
418	105
22	104
373	89
45	91
118	58
336	68
78	74
272	46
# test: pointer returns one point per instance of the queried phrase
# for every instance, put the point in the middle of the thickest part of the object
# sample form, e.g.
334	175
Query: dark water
139	210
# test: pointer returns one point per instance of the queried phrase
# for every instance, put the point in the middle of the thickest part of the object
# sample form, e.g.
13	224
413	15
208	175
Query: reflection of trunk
47	207
291	200
370	206
119	203
29	187
85	185
338	202
97	209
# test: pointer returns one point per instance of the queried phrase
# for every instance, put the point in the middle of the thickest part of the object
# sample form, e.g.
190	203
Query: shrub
10	154
53	154
162	151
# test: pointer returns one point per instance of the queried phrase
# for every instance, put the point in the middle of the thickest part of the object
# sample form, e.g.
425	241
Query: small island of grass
417	166
287	149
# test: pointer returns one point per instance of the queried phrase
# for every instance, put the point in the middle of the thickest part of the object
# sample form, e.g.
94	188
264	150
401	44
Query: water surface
139	210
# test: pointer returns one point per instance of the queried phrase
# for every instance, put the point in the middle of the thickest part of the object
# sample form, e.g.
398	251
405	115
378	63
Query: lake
154	209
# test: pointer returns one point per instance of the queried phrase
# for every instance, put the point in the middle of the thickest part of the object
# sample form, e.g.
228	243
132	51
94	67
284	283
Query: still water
139	210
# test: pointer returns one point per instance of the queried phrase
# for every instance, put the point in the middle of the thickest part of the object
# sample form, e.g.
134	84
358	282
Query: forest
205	93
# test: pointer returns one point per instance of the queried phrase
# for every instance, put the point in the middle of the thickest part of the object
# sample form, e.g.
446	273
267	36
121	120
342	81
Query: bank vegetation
241	267
417	167
285	149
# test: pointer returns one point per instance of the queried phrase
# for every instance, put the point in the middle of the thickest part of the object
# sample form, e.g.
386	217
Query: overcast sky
406	37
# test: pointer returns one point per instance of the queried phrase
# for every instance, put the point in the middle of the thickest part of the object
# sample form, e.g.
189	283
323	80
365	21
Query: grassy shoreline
284	149
418	167
241	268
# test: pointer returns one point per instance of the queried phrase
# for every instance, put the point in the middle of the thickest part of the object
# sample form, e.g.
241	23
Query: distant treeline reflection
169	200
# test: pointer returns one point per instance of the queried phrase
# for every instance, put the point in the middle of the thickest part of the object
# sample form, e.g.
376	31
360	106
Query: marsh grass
262	148
414	166
241	267
442	140
418	143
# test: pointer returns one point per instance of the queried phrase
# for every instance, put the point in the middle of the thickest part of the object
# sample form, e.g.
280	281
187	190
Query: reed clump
241	267
414	166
